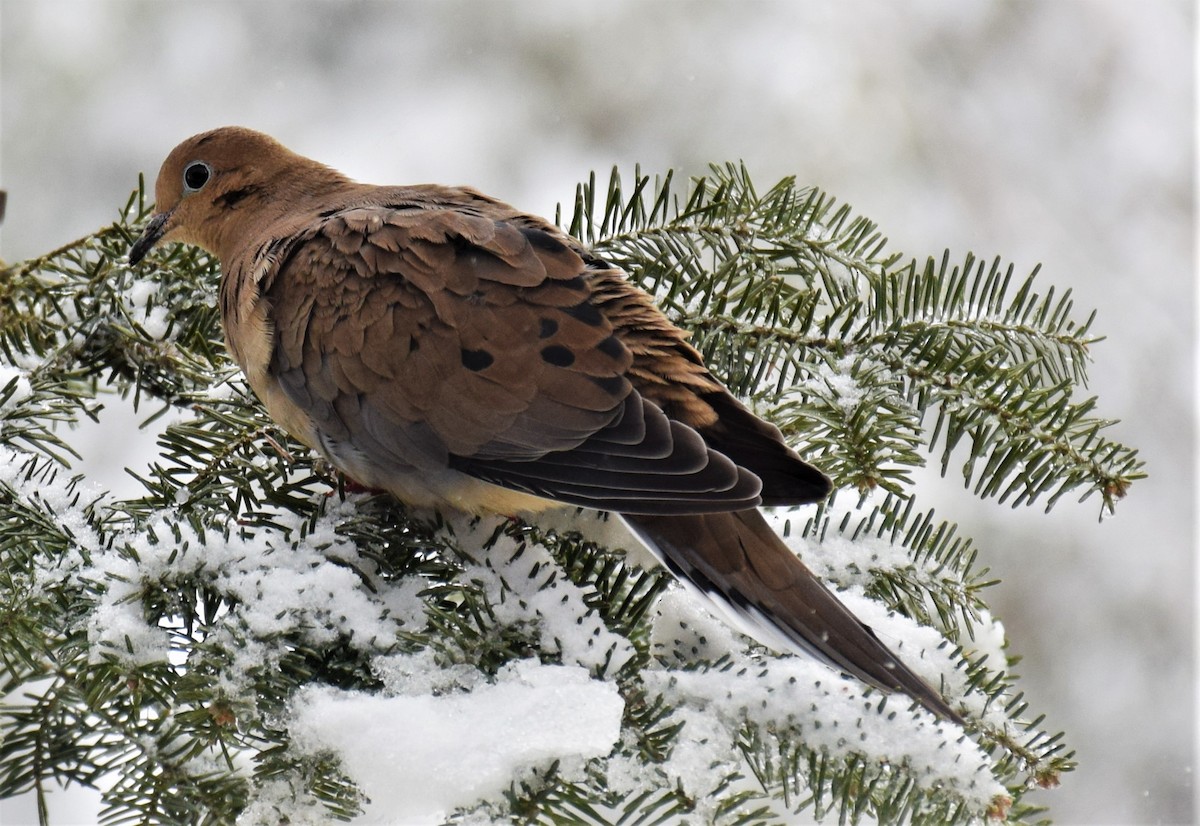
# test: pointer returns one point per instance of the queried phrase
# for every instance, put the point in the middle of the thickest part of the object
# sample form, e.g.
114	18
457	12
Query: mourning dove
439	344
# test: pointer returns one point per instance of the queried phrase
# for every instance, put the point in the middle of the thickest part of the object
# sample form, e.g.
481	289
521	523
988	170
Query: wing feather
425	339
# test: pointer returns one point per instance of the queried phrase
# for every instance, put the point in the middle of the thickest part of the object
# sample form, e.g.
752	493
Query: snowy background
1059	133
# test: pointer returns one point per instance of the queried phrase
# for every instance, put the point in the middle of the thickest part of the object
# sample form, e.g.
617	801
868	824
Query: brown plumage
439	344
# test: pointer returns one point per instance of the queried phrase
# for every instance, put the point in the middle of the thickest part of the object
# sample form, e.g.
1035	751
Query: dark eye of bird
196	175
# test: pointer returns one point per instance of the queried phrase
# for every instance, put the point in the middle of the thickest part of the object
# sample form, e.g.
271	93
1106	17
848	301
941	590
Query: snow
117	625
848	381
825	710
836	379
152	319
838	556
851	563
281	585
226	390
524	583
400	749
21	390
277	802
604	529
442	735
422	673
684	632
990	637
64	504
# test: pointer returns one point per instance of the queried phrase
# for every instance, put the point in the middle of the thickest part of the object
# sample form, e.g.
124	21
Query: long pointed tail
738	560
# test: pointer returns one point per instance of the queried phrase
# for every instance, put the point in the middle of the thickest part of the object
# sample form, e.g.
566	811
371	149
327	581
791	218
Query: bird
439	344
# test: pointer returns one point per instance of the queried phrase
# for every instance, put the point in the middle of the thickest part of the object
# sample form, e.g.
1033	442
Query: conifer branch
164	666
787	292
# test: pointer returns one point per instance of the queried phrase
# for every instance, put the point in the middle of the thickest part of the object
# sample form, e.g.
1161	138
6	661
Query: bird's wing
418	337
669	371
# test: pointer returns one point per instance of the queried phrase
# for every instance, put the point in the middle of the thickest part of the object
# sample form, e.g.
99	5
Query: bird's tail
739	561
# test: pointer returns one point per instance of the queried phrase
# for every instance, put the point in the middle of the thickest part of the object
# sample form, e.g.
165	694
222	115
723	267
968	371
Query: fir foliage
134	649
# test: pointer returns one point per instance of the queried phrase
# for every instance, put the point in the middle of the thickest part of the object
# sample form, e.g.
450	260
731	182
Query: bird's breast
250	340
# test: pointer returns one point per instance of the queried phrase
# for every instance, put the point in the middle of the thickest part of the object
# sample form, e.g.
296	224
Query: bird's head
215	186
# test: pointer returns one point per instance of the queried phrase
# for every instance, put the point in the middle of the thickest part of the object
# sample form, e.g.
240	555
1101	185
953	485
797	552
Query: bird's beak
154	230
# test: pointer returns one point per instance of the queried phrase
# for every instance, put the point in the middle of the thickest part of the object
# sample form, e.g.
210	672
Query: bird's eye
196	175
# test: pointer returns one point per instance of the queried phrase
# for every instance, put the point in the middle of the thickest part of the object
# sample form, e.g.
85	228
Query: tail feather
738	559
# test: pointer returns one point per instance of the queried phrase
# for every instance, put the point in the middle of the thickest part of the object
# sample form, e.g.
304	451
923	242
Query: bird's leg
351	485
340	479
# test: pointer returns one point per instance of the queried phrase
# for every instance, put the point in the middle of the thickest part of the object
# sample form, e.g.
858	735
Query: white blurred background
1059	133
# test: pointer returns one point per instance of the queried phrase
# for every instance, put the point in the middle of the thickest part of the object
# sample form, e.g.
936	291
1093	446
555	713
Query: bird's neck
270	199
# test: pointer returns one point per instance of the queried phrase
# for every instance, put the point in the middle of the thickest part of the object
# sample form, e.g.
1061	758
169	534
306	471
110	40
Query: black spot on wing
558	355
611	347
549	327
477	360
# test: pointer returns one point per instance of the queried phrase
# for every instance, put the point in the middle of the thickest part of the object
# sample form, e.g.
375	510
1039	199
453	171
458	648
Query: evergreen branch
171	665
772	285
